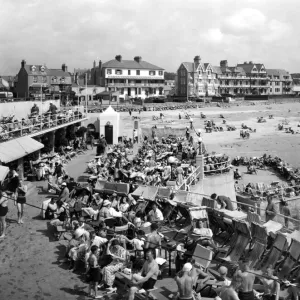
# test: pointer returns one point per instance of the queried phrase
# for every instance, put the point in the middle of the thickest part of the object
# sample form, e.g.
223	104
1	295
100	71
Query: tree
71	133
169	76
60	135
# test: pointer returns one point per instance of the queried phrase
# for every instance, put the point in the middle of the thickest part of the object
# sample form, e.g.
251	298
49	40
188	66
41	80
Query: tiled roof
130	64
8	77
189	66
49	72
277	72
205	65
217	70
247	67
57	72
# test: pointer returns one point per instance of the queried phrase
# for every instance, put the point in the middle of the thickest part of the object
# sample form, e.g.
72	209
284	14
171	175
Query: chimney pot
23	63
119	58
63	67
138	59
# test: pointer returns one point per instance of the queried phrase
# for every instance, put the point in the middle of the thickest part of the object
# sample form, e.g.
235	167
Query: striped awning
18	148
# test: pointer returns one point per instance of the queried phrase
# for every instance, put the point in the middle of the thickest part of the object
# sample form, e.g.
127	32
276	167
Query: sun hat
106	203
187	267
64	184
223	270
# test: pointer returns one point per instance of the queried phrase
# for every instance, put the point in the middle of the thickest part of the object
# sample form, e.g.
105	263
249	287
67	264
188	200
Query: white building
131	78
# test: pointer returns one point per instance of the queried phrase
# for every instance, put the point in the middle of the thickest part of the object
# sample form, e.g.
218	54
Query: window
129	72
44	79
108	71
160	73
138	72
182	72
118	72
270	90
277	90
152	73
122	91
139	91
182	81
154	91
35	79
277	83
241	82
220	81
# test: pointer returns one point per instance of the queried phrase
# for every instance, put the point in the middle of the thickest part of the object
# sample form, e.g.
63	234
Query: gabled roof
277	72
189	66
130	64
249	66
49	72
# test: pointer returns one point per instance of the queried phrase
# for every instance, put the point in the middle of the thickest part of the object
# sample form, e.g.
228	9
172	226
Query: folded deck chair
272	257
291	259
258	243
253	217
238	245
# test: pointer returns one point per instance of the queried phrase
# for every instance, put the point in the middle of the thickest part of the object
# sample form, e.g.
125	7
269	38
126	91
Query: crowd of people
12	128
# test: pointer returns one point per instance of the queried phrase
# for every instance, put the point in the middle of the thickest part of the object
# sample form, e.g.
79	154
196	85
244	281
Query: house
131	78
196	79
38	80
281	82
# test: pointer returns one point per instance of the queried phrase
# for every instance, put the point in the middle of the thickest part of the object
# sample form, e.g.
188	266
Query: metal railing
37	124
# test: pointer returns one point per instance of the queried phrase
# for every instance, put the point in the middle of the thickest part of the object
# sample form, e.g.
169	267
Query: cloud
247	20
277	30
213	35
131	28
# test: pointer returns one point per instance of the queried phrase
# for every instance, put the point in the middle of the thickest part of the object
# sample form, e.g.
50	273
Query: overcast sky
163	32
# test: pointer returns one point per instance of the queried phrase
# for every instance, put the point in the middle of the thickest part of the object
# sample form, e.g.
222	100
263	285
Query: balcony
38	125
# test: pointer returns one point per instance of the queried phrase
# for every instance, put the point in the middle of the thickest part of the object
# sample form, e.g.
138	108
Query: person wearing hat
185	283
105	210
64	194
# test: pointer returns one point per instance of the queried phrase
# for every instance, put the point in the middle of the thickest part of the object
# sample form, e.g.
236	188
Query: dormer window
118	72
108	72
160	73
62	80
152	73
35	79
45	79
54	79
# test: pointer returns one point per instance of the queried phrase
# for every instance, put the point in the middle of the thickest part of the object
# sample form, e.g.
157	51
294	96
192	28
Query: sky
163	32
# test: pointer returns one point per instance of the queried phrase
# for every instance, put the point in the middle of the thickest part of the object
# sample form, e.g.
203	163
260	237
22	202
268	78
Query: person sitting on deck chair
148	277
155	213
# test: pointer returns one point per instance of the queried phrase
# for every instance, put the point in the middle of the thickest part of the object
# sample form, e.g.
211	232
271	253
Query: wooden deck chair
258	244
253	217
238	246
290	261
272	257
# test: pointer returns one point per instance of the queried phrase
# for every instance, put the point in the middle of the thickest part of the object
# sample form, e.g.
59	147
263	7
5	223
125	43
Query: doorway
129	91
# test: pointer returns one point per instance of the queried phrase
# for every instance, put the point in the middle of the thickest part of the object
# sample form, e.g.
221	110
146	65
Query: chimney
119	58
223	64
63	67
99	74
23	63
138	59
197	61
94	64
251	62
66	68
245	63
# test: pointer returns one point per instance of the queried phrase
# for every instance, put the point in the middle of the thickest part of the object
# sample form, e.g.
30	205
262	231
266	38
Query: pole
86	99
41	101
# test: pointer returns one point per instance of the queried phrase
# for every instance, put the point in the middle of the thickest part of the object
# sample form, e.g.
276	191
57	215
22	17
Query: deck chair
290	261
253	217
258	244
237	246
272	257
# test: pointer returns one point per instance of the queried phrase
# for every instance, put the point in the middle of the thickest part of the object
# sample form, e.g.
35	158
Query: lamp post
86	95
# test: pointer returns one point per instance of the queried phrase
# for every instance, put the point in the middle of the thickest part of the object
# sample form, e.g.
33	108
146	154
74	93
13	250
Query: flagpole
86	99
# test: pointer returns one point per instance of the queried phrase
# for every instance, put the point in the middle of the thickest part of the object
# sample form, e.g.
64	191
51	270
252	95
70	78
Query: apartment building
280	82
131	78
196	79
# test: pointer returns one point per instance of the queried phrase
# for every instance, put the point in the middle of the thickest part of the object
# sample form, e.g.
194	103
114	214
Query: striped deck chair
290	261
272	257
238	245
258	243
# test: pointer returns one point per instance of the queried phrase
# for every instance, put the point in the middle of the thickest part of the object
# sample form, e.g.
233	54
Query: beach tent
147	192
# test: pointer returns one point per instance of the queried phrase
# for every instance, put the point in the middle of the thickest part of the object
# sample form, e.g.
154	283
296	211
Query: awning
135	77
15	149
39	85
147	192
3	172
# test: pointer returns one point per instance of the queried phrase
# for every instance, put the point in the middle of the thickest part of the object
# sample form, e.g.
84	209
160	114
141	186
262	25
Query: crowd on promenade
10	127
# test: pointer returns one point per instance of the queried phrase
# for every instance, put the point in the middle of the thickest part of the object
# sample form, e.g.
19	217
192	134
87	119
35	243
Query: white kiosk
110	117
